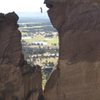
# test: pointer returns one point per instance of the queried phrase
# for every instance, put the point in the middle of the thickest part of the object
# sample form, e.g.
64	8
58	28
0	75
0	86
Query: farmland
40	44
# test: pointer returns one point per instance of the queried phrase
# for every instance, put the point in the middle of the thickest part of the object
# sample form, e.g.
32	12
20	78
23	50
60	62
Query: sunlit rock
78	24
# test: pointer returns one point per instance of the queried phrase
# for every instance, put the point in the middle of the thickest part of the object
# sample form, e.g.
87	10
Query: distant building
28	37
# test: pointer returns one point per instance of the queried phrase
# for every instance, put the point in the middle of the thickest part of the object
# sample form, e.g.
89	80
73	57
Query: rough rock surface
78	74
18	80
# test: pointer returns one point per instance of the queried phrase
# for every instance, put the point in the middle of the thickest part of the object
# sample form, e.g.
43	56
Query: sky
22	6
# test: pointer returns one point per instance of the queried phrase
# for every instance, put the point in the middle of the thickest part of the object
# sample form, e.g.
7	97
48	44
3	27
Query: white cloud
21	5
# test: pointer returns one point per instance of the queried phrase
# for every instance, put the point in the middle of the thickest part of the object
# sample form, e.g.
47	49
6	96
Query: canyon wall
18	80
77	76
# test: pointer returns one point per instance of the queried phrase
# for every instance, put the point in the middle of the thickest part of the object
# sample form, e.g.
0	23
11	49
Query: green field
37	38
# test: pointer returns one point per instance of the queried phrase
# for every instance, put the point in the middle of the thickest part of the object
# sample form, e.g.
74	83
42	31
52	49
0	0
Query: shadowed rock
17	78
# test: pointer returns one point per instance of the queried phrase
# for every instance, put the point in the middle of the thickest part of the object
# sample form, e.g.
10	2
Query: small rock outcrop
18	80
78	72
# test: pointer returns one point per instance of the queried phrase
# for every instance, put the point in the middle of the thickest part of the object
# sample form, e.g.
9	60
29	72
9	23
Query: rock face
18	80
78	72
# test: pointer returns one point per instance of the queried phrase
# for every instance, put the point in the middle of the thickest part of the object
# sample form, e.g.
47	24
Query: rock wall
18	80
78	72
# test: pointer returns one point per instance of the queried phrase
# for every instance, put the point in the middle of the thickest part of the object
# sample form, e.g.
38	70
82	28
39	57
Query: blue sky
22	6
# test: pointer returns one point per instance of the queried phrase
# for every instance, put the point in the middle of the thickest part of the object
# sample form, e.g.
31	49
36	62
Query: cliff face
18	80
78	72
77	76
